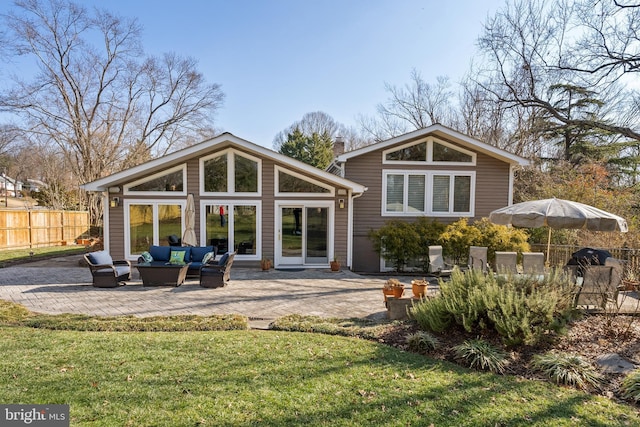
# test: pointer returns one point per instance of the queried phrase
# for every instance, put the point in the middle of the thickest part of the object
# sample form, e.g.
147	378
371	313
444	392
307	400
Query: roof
207	147
442	131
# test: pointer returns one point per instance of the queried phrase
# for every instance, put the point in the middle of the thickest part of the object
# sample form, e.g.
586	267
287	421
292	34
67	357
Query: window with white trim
434	193
230	172
151	223
429	151
233	226
171	180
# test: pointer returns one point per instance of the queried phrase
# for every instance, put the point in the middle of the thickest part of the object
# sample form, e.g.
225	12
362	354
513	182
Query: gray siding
492	192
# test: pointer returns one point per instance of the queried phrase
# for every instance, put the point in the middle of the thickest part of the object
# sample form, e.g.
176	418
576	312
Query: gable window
413	153
288	182
171	181
230	173
444	153
435	193
429	151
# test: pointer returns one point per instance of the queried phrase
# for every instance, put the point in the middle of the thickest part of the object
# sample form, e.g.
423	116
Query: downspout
511	180
352	197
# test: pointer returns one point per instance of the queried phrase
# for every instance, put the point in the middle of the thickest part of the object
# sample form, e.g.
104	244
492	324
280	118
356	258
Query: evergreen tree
315	149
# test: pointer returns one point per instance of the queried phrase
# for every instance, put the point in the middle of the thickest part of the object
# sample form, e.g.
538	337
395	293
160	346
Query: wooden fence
41	227
560	254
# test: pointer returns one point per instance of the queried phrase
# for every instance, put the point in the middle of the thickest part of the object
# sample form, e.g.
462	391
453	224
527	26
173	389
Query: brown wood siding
492	192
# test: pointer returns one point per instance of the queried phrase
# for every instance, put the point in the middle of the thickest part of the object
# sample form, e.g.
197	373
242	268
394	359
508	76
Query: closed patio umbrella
189	237
558	214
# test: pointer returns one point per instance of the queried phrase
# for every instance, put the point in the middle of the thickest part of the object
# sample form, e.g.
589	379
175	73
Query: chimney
338	146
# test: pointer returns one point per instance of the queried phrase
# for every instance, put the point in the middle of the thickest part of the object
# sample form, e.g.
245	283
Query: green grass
242	378
17	255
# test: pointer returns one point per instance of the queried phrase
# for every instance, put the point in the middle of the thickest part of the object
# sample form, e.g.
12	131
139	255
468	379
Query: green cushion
207	257
177	257
146	256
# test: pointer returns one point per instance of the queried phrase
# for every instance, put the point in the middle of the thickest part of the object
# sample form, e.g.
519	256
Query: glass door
291	235
316	232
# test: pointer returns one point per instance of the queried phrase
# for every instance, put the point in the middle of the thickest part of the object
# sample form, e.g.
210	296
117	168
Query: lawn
241	378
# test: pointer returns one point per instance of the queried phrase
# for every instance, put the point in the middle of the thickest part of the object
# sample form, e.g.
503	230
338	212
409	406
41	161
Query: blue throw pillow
224	258
100	258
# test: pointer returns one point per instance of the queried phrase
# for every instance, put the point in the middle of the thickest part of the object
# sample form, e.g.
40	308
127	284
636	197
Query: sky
277	60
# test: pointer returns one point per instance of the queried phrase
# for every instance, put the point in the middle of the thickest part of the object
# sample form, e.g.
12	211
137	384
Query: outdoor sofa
161	255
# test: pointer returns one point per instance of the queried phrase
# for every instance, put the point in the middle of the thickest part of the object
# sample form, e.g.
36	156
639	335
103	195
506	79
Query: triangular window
295	184
172	182
445	153
412	153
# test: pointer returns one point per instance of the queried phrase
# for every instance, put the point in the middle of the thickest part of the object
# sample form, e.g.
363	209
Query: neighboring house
247	198
434	172
10	186
265	205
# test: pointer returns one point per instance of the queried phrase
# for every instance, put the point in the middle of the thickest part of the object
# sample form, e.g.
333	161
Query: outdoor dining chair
506	262
478	258
437	265
533	263
597	288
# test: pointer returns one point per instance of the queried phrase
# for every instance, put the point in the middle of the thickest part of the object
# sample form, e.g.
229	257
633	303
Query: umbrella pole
548	246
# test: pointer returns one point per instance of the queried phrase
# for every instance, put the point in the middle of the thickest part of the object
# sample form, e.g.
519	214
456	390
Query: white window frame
231	164
127	188
277	169
156	228
428	193
429	159
231	222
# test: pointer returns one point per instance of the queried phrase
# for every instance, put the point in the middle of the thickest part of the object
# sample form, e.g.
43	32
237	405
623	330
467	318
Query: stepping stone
613	363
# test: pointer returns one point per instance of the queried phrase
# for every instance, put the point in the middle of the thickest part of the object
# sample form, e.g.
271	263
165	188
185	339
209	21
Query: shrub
422	342
457	238
429	231
479	354
520	310
397	241
501	238
630	387
567	369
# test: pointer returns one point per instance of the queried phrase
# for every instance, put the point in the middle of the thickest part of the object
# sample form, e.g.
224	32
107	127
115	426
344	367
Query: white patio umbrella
189	237
557	214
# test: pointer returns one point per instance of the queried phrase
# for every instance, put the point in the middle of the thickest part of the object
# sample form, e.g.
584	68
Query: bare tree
415	106
105	107
532	48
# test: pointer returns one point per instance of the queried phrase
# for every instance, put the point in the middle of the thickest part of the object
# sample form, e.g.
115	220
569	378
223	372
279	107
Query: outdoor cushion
177	257
185	249
198	252
207	257
223	259
146	257
160	253
100	258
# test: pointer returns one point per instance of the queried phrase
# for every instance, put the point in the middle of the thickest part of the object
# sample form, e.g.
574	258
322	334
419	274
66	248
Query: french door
304	234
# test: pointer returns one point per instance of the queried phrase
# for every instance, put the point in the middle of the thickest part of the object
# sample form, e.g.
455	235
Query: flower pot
398	291
265	264
335	266
388	292
419	289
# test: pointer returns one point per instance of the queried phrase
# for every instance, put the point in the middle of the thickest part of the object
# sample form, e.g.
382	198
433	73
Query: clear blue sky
279	59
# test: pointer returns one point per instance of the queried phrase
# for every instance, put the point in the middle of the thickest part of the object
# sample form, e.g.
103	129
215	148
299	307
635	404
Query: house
10	186
247	198
435	172
265	205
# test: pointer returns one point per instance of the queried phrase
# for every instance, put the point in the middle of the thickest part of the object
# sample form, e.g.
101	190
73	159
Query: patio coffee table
162	274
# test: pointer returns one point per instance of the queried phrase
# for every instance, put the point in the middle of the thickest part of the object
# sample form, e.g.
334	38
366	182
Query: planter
398	291
265	264
335	266
388	292
419	289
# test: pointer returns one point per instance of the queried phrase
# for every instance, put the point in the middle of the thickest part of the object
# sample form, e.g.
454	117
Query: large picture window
233	226
230	172
151	223
420	193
